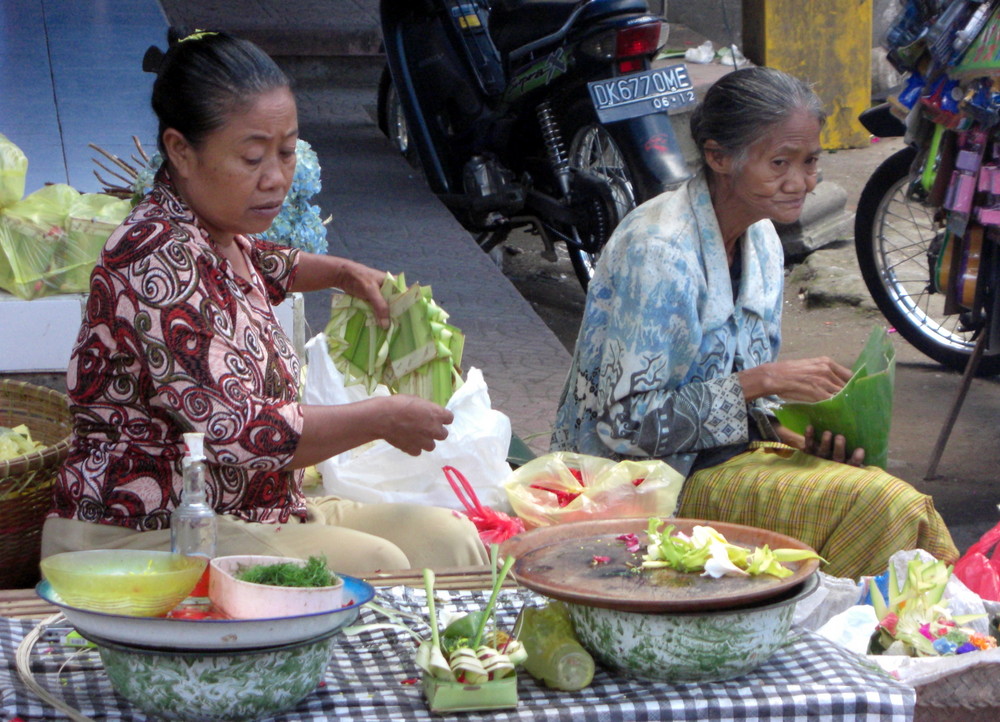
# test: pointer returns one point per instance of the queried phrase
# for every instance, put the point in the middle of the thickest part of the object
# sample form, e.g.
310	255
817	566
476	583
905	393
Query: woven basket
26	481
970	695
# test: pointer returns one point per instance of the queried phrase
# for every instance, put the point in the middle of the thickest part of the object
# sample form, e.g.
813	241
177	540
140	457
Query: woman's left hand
831	446
317	272
365	283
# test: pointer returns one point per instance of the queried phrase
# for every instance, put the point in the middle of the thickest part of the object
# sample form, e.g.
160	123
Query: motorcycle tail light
627	44
601	47
638	40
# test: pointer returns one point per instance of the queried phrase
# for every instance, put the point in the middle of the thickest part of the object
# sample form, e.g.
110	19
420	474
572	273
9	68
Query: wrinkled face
779	170
236	181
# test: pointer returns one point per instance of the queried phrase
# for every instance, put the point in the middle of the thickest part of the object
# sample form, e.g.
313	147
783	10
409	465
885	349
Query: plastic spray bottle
555	656
193	523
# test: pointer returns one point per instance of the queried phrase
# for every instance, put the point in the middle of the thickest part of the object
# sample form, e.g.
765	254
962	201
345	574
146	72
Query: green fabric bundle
862	410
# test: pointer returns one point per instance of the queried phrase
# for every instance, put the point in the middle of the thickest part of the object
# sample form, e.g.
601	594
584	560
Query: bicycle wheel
893	234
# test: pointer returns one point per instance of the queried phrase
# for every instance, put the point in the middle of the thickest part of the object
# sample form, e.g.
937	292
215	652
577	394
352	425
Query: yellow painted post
825	42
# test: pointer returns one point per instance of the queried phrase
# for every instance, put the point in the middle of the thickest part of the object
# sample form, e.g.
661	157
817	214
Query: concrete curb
830	277
823	221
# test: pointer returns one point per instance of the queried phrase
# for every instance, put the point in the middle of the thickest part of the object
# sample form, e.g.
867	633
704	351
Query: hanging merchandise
949	53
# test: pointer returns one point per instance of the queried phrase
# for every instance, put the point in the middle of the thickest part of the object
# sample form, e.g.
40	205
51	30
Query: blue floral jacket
653	375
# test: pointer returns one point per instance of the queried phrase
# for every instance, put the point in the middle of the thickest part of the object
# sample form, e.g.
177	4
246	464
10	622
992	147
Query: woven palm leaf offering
471	664
17	441
420	353
862	410
914	615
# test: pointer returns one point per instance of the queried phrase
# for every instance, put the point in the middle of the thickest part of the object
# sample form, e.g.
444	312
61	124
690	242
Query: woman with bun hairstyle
179	336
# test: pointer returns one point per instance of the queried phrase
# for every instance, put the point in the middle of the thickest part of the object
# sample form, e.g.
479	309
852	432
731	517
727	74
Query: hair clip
197	35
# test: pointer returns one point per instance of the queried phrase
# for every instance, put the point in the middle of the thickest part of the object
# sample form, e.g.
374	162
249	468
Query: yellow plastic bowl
132	582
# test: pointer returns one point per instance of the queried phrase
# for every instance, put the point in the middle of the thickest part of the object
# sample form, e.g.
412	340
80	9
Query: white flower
718	563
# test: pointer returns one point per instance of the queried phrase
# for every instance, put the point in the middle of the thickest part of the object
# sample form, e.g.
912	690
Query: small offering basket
461	670
445	696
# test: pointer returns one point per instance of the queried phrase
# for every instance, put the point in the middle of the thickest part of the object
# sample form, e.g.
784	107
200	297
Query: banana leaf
862	410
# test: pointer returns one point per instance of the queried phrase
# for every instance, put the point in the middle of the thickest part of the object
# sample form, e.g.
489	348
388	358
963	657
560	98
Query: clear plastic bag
565	486
30	232
477	443
50	240
92	218
13	169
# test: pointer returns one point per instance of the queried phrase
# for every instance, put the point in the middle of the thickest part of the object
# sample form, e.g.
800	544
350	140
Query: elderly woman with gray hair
677	353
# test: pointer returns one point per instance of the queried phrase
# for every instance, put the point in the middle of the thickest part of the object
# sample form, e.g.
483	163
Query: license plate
660	90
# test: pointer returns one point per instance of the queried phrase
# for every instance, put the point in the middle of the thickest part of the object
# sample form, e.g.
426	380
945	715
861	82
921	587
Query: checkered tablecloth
809	679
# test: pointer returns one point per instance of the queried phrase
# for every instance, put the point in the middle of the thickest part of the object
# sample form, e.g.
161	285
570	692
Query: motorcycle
926	228
538	114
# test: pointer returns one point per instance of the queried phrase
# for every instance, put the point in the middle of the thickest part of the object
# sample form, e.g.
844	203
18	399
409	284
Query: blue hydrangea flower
943	646
143	182
299	224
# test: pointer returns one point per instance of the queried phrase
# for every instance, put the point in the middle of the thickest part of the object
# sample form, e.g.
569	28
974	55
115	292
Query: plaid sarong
854	517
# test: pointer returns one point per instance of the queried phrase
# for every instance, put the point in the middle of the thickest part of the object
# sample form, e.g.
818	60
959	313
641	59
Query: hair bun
152	61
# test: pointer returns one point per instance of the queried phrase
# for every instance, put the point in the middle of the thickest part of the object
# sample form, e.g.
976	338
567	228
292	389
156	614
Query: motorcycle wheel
392	121
893	233
592	149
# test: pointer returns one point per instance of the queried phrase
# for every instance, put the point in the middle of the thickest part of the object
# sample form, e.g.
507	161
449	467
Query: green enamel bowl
216	686
680	647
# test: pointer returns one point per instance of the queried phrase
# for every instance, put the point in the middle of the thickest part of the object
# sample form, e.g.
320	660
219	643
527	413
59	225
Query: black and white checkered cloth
371	677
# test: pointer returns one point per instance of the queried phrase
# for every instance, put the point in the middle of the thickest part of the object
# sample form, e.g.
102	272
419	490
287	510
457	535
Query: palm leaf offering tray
593	563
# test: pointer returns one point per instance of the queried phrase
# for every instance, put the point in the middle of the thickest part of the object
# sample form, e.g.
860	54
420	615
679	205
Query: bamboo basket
26	481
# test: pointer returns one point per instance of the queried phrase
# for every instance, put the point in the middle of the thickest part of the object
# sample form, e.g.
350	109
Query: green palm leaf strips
419	354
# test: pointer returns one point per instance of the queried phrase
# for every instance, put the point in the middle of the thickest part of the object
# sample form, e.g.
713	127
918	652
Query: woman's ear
179	152
716	157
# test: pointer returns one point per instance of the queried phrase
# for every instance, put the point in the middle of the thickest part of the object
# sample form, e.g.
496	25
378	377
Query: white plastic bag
703	54
477	445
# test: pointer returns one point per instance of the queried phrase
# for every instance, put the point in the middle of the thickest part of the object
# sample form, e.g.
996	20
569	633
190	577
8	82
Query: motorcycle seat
514	23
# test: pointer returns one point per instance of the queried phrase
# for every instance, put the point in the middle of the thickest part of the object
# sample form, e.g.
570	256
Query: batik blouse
664	332
174	341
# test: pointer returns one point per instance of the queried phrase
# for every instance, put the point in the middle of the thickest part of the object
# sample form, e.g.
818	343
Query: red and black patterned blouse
174	341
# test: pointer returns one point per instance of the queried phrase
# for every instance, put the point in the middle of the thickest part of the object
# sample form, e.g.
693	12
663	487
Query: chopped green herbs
288	574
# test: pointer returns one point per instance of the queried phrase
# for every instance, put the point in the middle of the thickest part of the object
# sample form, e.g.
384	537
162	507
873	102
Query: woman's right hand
409	423
413	424
811	379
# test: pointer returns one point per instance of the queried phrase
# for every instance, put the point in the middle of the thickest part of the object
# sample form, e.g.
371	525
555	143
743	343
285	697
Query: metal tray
212	634
558	562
